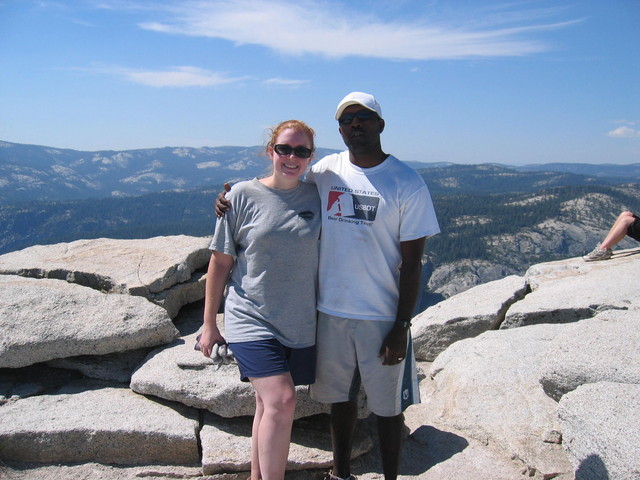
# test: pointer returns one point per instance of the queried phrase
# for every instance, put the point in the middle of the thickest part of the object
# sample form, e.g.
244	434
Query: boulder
46	319
601	430
604	348
465	315
571	290
119	367
179	373
110	425
182	374
159	268
176	297
488	388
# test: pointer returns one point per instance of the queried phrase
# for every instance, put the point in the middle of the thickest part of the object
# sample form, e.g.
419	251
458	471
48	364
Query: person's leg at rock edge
618	230
255	459
271	433
344	416
390	437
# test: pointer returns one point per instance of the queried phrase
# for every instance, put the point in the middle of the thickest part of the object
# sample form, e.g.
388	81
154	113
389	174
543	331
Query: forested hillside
487	237
466	219
168	213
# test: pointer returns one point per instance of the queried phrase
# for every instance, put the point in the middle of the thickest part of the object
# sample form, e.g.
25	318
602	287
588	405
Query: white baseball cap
359	98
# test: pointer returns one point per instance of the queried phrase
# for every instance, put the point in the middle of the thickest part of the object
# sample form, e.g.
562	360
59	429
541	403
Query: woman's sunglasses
300	152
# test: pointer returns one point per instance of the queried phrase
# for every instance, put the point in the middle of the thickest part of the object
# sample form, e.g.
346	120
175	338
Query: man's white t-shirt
366	213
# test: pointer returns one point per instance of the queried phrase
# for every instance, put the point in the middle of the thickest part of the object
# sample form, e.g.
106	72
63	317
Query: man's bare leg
390	437
344	416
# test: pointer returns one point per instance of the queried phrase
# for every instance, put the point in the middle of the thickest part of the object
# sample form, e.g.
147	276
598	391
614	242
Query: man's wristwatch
404	324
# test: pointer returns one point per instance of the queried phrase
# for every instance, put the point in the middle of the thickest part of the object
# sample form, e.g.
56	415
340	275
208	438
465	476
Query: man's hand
223	205
394	346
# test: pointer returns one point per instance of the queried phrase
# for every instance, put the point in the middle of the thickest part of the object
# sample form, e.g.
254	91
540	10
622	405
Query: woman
269	245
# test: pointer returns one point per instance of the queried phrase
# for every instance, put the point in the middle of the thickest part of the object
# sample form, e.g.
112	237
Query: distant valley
496	220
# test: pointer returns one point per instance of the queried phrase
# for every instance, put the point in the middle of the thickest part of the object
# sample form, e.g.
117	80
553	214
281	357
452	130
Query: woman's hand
209	338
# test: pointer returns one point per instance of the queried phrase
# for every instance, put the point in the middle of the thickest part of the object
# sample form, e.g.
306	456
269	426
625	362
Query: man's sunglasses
362	115
300	152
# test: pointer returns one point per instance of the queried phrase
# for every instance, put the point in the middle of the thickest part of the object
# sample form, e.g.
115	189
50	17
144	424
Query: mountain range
495	220
32	172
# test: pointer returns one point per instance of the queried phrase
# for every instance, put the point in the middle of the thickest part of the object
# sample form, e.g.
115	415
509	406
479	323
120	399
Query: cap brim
346	105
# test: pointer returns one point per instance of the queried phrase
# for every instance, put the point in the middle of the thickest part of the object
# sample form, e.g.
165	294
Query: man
376	214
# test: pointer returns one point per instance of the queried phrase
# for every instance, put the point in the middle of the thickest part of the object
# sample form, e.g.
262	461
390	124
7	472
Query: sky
463	81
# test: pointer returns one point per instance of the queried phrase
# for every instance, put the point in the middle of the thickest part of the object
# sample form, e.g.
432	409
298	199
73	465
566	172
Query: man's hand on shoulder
222	205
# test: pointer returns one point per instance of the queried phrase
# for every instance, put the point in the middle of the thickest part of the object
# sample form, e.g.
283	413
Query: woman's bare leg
272	434
255	459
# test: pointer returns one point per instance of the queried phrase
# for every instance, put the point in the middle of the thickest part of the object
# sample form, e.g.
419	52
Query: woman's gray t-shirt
274	236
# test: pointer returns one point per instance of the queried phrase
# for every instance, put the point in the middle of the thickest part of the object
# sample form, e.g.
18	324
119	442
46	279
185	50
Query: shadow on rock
435	446
626	253
592	468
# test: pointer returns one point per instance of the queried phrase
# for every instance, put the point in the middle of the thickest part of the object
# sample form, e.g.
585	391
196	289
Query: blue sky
512	82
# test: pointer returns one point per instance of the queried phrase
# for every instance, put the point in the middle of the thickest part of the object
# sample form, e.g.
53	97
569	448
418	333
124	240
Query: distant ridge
630	172
40	173
34	172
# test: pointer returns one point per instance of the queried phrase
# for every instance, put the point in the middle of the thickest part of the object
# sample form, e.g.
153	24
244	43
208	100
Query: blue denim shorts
265	358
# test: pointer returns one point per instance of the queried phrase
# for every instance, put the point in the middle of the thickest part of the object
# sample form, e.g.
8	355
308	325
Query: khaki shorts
347	355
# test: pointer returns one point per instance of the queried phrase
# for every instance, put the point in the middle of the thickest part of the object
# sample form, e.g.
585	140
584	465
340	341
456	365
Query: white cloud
184	76
179	77
329	29
624	132
285	82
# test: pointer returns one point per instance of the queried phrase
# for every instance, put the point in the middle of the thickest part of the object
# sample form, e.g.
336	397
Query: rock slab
46	319
601	430
160	269
465	315
109	425
488	387
571	290
226	444
603	348
179	373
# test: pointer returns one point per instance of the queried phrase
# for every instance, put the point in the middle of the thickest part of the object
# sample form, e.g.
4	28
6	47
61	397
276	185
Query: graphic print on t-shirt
343	204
